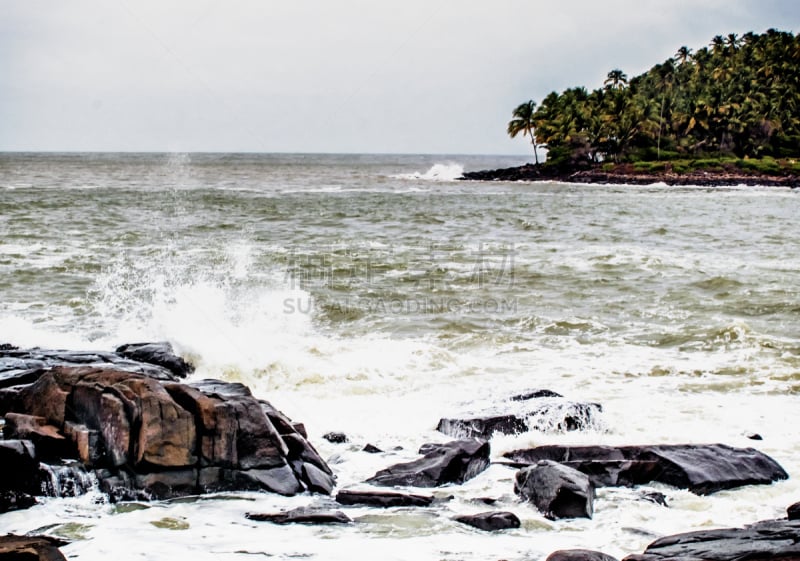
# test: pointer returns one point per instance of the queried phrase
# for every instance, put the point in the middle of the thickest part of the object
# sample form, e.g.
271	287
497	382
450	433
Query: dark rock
336	437
482	427
534	394
371	449
31	548
769	539
656	498
793	512
161	354
20	471
755	436
148	439
15	500
579	555
382	499
541	411
557	491
50	445
453	462
302	516
490	521
702	469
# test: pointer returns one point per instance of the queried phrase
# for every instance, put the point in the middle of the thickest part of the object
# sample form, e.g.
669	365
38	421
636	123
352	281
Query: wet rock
702	469
372	449
579	555
20	471
452	462
302	516
656	498
148	439
557	491
793	512
534	394
49	443
755	436
490	521
382	499
15	500
482	427
160	354
31	548
769	539
336	437
540	410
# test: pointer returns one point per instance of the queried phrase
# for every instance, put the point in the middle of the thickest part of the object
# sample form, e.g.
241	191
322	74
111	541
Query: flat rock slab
31	548
701	468
382	499
769	539
452	462
490	521
302	516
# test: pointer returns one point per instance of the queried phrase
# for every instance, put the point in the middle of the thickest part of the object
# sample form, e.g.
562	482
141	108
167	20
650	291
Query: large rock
452	462
145	438
15	500
31	548
20	471
557	491
769	539
155	360
701	468
539	410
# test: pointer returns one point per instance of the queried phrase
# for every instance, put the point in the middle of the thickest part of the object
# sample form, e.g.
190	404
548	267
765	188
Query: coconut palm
616	79
523	122
683	55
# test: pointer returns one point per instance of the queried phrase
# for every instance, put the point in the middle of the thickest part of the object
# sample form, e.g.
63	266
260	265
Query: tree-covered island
725	113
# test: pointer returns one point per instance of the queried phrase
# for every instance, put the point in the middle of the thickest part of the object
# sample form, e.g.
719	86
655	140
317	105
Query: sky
340	76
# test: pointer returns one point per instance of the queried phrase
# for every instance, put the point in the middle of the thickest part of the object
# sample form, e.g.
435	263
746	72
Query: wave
438	172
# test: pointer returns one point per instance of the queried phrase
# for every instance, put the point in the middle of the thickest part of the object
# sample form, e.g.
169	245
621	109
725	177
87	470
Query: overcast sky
410	76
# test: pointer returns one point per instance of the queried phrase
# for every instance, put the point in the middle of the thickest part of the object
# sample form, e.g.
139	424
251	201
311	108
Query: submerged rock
557	491
452	462
701	468
336	437
769	539
382	499
31	548
302	516
490	521
143	438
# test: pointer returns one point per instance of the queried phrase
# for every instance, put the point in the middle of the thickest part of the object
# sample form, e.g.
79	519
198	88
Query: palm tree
733	42
616	79
717	43
523	122
683	55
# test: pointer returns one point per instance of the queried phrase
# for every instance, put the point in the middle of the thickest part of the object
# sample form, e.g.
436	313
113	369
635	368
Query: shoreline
627	175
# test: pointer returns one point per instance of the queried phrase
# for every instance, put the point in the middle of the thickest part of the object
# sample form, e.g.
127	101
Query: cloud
314	75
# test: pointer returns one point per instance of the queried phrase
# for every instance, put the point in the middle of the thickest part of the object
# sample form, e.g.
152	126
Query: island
726	114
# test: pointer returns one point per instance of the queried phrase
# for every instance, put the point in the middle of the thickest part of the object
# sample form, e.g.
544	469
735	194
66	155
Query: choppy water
373	295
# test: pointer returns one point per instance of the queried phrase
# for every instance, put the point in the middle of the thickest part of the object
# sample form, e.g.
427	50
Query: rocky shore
126	423
629	175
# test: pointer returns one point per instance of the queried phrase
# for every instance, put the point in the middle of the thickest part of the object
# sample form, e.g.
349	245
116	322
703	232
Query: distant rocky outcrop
702	469
144	436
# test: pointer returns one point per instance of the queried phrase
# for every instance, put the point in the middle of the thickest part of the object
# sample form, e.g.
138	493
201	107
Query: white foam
438	172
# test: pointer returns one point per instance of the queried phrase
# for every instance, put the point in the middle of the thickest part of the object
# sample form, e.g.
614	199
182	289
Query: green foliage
737	98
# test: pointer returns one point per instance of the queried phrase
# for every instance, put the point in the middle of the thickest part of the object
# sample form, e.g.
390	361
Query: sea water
376	294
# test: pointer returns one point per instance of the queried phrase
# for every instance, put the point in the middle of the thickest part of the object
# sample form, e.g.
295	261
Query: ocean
375	294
